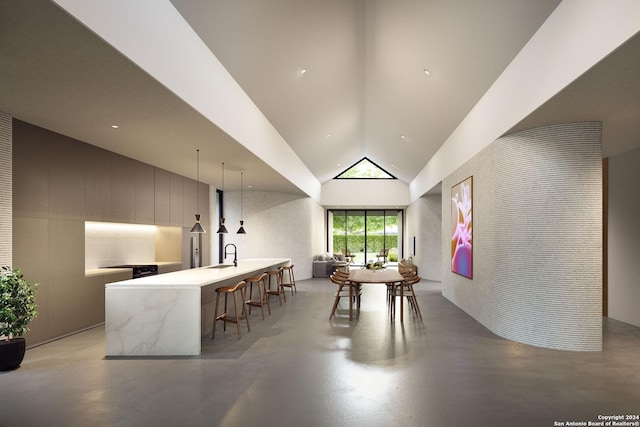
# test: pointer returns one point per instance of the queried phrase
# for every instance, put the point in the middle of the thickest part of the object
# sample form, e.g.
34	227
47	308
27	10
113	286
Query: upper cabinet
177	201
97	183
145	193
162	197
123	189
190	192
57	177
30	171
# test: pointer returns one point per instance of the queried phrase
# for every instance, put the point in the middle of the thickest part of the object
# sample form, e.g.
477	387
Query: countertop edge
198	277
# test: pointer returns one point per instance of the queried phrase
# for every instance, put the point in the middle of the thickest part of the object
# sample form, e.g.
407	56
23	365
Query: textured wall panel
6	203
537	217
278	225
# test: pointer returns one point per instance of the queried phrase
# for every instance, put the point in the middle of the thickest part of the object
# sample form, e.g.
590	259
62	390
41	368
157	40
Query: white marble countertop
199	277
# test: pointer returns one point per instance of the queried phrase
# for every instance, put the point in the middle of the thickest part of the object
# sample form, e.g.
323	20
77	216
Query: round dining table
385	275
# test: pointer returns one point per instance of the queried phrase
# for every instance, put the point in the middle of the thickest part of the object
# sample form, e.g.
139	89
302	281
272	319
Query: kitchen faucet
235	253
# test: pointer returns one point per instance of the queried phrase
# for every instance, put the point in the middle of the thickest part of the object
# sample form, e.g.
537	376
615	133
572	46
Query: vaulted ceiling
338	79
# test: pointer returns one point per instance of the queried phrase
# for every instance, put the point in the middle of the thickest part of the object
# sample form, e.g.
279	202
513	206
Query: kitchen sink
221	266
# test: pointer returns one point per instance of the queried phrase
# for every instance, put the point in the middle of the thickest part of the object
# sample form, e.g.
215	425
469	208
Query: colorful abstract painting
462	228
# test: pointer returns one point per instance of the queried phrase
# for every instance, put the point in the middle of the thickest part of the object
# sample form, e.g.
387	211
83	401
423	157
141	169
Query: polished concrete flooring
297	368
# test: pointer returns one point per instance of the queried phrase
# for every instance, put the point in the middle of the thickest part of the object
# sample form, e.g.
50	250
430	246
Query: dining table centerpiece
377	265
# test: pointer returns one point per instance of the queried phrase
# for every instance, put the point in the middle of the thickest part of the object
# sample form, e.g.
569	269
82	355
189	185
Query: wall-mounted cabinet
145	194
66	191
123	193
189	202
30	171
97	183
162	200
177	202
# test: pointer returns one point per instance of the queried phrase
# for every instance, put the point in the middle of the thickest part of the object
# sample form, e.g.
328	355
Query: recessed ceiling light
115	126
303	71
403	137
427	72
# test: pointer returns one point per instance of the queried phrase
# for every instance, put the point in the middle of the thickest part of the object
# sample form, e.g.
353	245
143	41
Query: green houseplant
17	309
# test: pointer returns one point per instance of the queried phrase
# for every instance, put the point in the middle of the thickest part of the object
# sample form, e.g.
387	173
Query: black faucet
235	253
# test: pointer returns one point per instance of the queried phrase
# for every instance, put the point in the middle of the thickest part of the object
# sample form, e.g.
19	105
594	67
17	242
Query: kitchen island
168	314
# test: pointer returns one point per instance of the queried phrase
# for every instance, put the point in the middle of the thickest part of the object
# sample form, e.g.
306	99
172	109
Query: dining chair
345	288
341	274
405	289
263	298
348	255
383	253
238	314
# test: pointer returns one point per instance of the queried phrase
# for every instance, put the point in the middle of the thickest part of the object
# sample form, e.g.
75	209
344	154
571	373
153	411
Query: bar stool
287	273
262	291
279	290
239	288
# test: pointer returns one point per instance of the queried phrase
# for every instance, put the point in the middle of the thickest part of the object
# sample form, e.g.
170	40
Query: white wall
374	193
424	221
576	36
537	237
278	225
624	231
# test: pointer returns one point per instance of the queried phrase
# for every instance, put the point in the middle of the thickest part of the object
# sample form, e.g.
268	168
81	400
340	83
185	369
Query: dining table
364	275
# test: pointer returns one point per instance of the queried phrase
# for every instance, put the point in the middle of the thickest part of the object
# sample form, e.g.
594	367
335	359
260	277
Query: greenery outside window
365	234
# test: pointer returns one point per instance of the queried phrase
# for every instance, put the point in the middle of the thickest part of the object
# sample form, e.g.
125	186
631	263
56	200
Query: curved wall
537	242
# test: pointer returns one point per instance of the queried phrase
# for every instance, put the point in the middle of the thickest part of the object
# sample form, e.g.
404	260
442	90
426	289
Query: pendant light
241	229
197	228
222	228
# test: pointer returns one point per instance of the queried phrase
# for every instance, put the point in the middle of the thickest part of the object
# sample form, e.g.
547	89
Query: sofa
325	264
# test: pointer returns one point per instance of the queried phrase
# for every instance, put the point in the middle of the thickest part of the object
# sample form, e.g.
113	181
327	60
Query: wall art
462	228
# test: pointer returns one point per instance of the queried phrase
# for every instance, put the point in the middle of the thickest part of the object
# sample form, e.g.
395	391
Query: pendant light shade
241	229
197	228
222	228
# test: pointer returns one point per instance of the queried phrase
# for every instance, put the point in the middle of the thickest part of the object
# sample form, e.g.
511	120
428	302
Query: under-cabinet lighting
118	226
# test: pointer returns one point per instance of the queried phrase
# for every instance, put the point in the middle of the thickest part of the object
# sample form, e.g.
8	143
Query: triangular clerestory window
365	169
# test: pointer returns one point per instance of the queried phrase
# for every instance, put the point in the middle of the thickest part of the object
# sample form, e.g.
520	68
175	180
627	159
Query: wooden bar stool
279	289
290	282
239	311
263	298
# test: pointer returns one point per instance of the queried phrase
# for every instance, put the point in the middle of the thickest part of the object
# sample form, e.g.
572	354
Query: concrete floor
299	369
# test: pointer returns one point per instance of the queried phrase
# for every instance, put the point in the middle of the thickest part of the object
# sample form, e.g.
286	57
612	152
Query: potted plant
17	309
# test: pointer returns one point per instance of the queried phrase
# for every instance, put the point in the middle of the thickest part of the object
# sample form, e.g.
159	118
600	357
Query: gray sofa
325	264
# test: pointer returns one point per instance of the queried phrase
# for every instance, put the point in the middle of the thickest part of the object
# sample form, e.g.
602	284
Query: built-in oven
140	270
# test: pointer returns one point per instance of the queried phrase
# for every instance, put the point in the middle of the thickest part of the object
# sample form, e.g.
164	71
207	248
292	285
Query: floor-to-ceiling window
367	235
